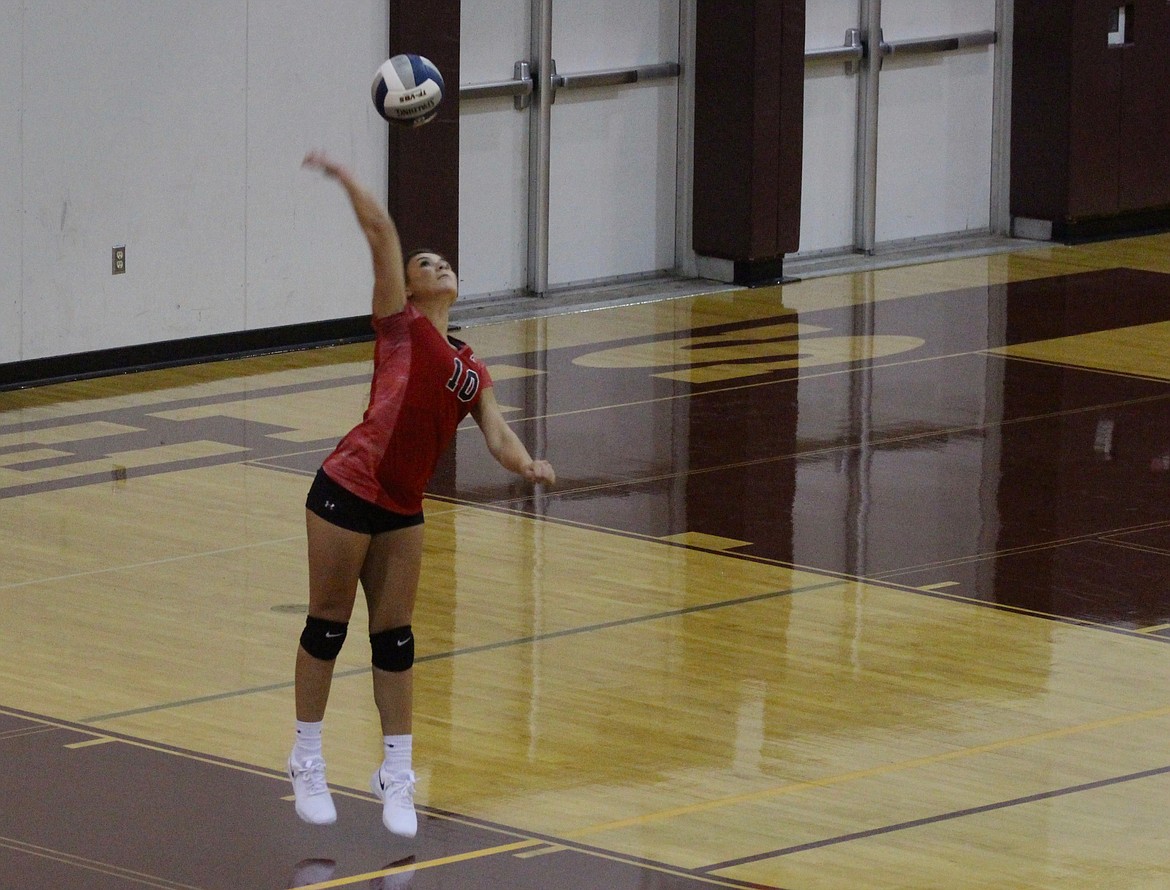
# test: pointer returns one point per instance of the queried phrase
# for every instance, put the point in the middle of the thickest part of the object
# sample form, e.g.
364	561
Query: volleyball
407	90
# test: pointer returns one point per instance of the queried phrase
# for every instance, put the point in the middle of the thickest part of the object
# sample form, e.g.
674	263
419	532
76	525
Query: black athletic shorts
345	509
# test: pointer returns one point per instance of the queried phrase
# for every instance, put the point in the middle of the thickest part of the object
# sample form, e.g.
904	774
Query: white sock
308	744
396	756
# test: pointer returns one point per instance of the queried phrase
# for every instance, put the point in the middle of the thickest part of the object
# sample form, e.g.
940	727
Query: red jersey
424	385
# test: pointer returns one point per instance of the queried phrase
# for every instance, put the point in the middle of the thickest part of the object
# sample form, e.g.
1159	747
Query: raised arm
504	445
385	248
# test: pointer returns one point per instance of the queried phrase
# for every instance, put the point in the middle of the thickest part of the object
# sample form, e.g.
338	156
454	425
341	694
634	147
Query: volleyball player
364	509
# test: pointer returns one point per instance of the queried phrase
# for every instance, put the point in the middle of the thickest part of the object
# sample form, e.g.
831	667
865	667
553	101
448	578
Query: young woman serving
364	510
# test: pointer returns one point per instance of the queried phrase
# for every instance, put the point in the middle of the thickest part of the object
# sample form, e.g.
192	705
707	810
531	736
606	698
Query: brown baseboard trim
173	353
1123	225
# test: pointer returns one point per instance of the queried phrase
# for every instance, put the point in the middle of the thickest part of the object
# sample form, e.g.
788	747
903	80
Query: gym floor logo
748	353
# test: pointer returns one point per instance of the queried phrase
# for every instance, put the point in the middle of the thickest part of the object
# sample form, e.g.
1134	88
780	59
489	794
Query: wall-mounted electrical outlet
119	259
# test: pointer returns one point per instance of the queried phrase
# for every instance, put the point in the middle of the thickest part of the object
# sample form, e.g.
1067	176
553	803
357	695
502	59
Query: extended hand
321	161
540	471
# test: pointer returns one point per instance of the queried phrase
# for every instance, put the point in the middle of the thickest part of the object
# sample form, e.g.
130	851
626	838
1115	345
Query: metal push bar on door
923	45
616	76
855	49
851	53
522	86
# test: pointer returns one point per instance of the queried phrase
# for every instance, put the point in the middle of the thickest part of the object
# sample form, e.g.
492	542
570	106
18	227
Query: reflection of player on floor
312	871
402	878
364	510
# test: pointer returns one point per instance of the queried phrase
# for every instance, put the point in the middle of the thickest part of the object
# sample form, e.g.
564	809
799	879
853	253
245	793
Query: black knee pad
322	639
393	650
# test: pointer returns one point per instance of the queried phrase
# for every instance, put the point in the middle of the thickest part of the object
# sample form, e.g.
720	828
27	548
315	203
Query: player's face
430	273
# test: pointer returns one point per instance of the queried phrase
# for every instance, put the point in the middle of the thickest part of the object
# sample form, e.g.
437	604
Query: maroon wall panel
1040	103
791	151
424	162
1144	141
1094	113
749	109
765	108
1090	120
724	135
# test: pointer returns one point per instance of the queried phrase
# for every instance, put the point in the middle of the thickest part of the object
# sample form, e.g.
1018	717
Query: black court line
80	865
485	647
501	507
602	852
259	837
933	820
875	442
885	579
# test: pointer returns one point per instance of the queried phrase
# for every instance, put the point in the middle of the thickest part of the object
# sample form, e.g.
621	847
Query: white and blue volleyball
407	90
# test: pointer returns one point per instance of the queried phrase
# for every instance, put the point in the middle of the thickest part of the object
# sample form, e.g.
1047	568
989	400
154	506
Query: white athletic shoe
396	791
314	802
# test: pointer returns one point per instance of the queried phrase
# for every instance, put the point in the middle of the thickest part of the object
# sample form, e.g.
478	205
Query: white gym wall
11	208
177	129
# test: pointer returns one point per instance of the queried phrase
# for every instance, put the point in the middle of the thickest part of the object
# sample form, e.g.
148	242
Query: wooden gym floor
858	582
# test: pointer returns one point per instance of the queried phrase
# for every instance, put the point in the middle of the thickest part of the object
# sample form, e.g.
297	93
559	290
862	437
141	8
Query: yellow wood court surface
861	581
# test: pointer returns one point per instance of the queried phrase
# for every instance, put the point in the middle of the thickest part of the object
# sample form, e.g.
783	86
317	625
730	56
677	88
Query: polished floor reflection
862	581
936	455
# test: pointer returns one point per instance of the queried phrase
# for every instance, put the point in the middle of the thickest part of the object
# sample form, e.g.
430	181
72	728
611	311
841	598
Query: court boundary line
94	865
477	649
1139	548
414	866
524	838
941	817
880	770
564	843
1002	352
878	580
833	579
128	567
534	841
1104	537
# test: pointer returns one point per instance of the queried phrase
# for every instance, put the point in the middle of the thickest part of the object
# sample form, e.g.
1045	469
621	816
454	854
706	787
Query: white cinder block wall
177	128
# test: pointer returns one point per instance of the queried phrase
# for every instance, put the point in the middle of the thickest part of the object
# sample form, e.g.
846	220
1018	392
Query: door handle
851	53
523	85
520	87
923	45
616	76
